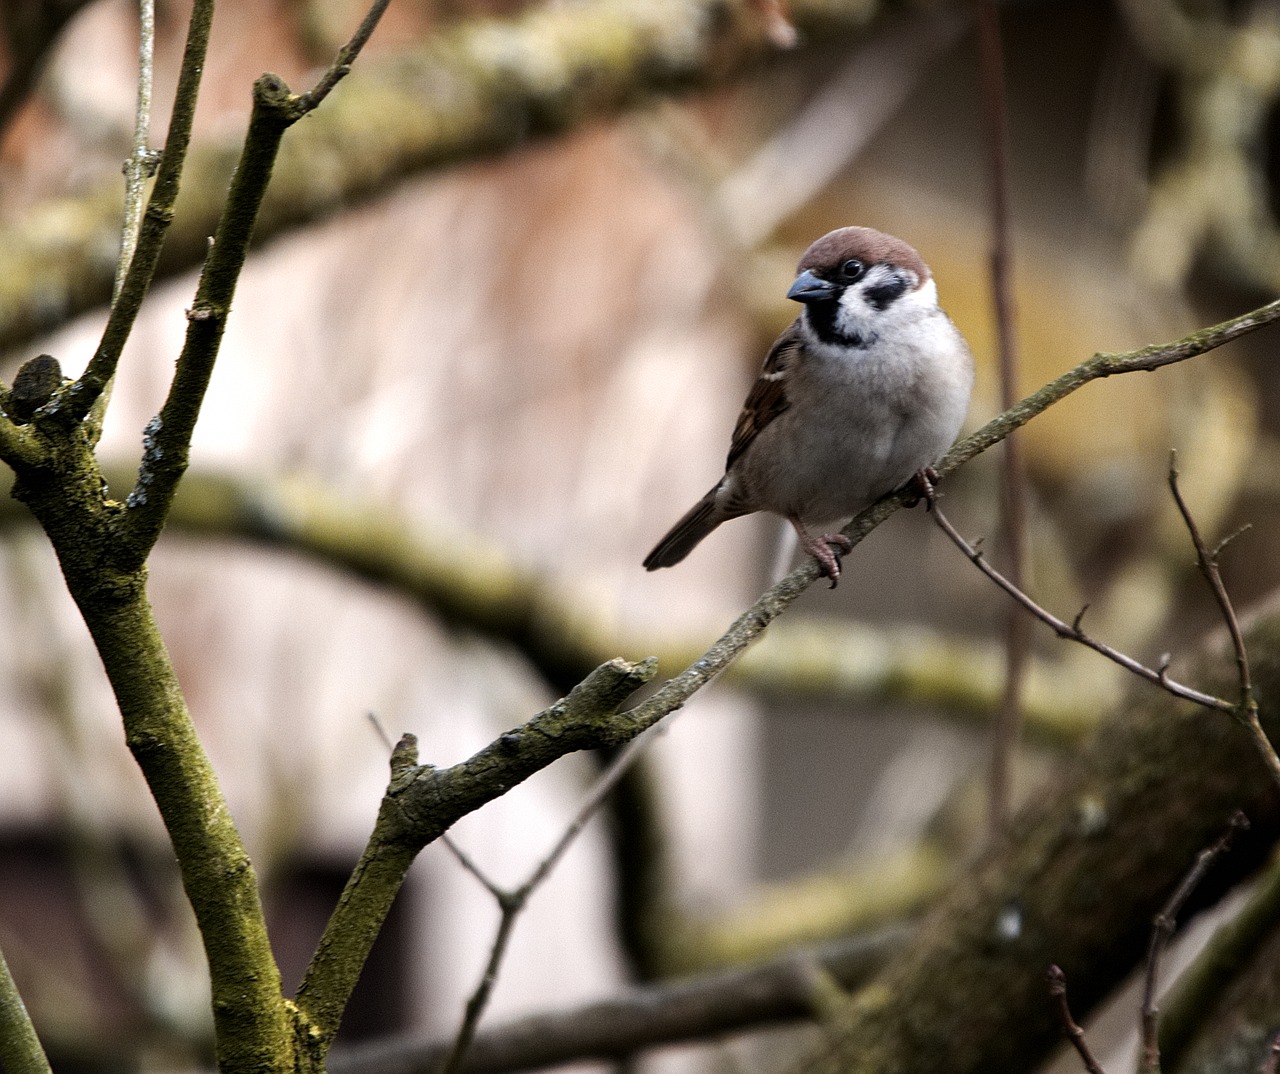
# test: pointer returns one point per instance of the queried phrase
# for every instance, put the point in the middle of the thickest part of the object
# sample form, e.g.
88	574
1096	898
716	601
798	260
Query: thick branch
776	991
422	802
1086	867
66	496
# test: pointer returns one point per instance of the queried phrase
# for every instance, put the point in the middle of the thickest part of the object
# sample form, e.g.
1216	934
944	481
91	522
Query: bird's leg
826	549
922	486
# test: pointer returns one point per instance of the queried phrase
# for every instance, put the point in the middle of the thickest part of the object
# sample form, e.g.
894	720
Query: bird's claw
827	550
922	486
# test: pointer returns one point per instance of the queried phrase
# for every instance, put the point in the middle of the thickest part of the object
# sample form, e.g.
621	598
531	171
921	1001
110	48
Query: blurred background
523	366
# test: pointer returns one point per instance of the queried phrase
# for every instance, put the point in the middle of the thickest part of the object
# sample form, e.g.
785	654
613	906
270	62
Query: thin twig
81	396
1073	631
1162	928
341	66
1012	470
141	164
1058	990
512	903
140	167
1246	710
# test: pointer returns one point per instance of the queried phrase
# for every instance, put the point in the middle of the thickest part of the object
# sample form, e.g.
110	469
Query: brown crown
867	245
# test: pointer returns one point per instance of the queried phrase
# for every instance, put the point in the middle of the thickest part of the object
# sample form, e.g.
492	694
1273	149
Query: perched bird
868	387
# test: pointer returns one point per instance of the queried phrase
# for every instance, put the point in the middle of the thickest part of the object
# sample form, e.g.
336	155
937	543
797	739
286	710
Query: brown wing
768	396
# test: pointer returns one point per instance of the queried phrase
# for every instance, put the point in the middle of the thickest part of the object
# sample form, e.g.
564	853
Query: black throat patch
822	319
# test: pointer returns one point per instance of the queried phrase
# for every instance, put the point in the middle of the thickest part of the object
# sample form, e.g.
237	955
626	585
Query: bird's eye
852	269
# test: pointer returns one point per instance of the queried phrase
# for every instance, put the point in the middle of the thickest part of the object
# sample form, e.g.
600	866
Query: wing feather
768	396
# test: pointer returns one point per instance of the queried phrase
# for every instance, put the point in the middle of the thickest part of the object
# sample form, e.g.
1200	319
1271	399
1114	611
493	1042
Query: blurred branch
512	902
20	1051
843	901
1212	193
31	29
1228	999
1086	866
1013	477
777	991
476	586
485	87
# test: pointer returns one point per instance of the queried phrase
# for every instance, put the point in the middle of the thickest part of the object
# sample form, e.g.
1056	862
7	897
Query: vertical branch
1012	477
140	167
81	396
20	1050
141	163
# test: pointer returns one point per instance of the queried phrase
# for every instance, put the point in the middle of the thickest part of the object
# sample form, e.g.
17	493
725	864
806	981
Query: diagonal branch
1073	631
422	802
1246	709
80	397
20	1050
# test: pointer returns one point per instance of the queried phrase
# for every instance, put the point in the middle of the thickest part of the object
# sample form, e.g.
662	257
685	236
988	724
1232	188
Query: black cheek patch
882	295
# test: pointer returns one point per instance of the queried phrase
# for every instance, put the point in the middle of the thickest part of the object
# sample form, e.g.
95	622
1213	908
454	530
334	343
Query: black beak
811	288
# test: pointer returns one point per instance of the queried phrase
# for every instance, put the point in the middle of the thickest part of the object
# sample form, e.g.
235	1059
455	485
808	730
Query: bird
858	397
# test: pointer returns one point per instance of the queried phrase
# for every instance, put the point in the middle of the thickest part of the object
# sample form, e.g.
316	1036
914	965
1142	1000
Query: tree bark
1077	882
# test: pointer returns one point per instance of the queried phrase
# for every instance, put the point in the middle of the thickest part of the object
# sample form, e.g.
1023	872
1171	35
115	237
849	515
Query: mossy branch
102	547
1083	871
477	587
422	802
20	1050
166	445
483	87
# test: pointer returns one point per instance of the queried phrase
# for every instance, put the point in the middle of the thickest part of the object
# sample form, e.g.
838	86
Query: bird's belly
837	469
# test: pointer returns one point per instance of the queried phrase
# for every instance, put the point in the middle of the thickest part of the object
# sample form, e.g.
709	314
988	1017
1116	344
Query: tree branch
1083	872
77	400
488	86
475	586
20	1050
780	990
422	802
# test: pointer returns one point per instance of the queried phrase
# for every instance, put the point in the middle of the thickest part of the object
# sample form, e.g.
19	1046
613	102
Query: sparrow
864	391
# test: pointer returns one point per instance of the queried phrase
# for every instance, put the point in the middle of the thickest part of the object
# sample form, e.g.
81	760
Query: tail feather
684	536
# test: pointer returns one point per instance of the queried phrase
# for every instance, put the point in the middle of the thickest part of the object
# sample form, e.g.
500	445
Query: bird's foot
922	486
826	549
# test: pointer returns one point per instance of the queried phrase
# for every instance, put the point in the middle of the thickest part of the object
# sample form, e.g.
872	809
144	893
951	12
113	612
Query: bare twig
141	164
1012	470
341	66
1058	990
1162	928
140	167
1072	631
81	396
1246	710
512	903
